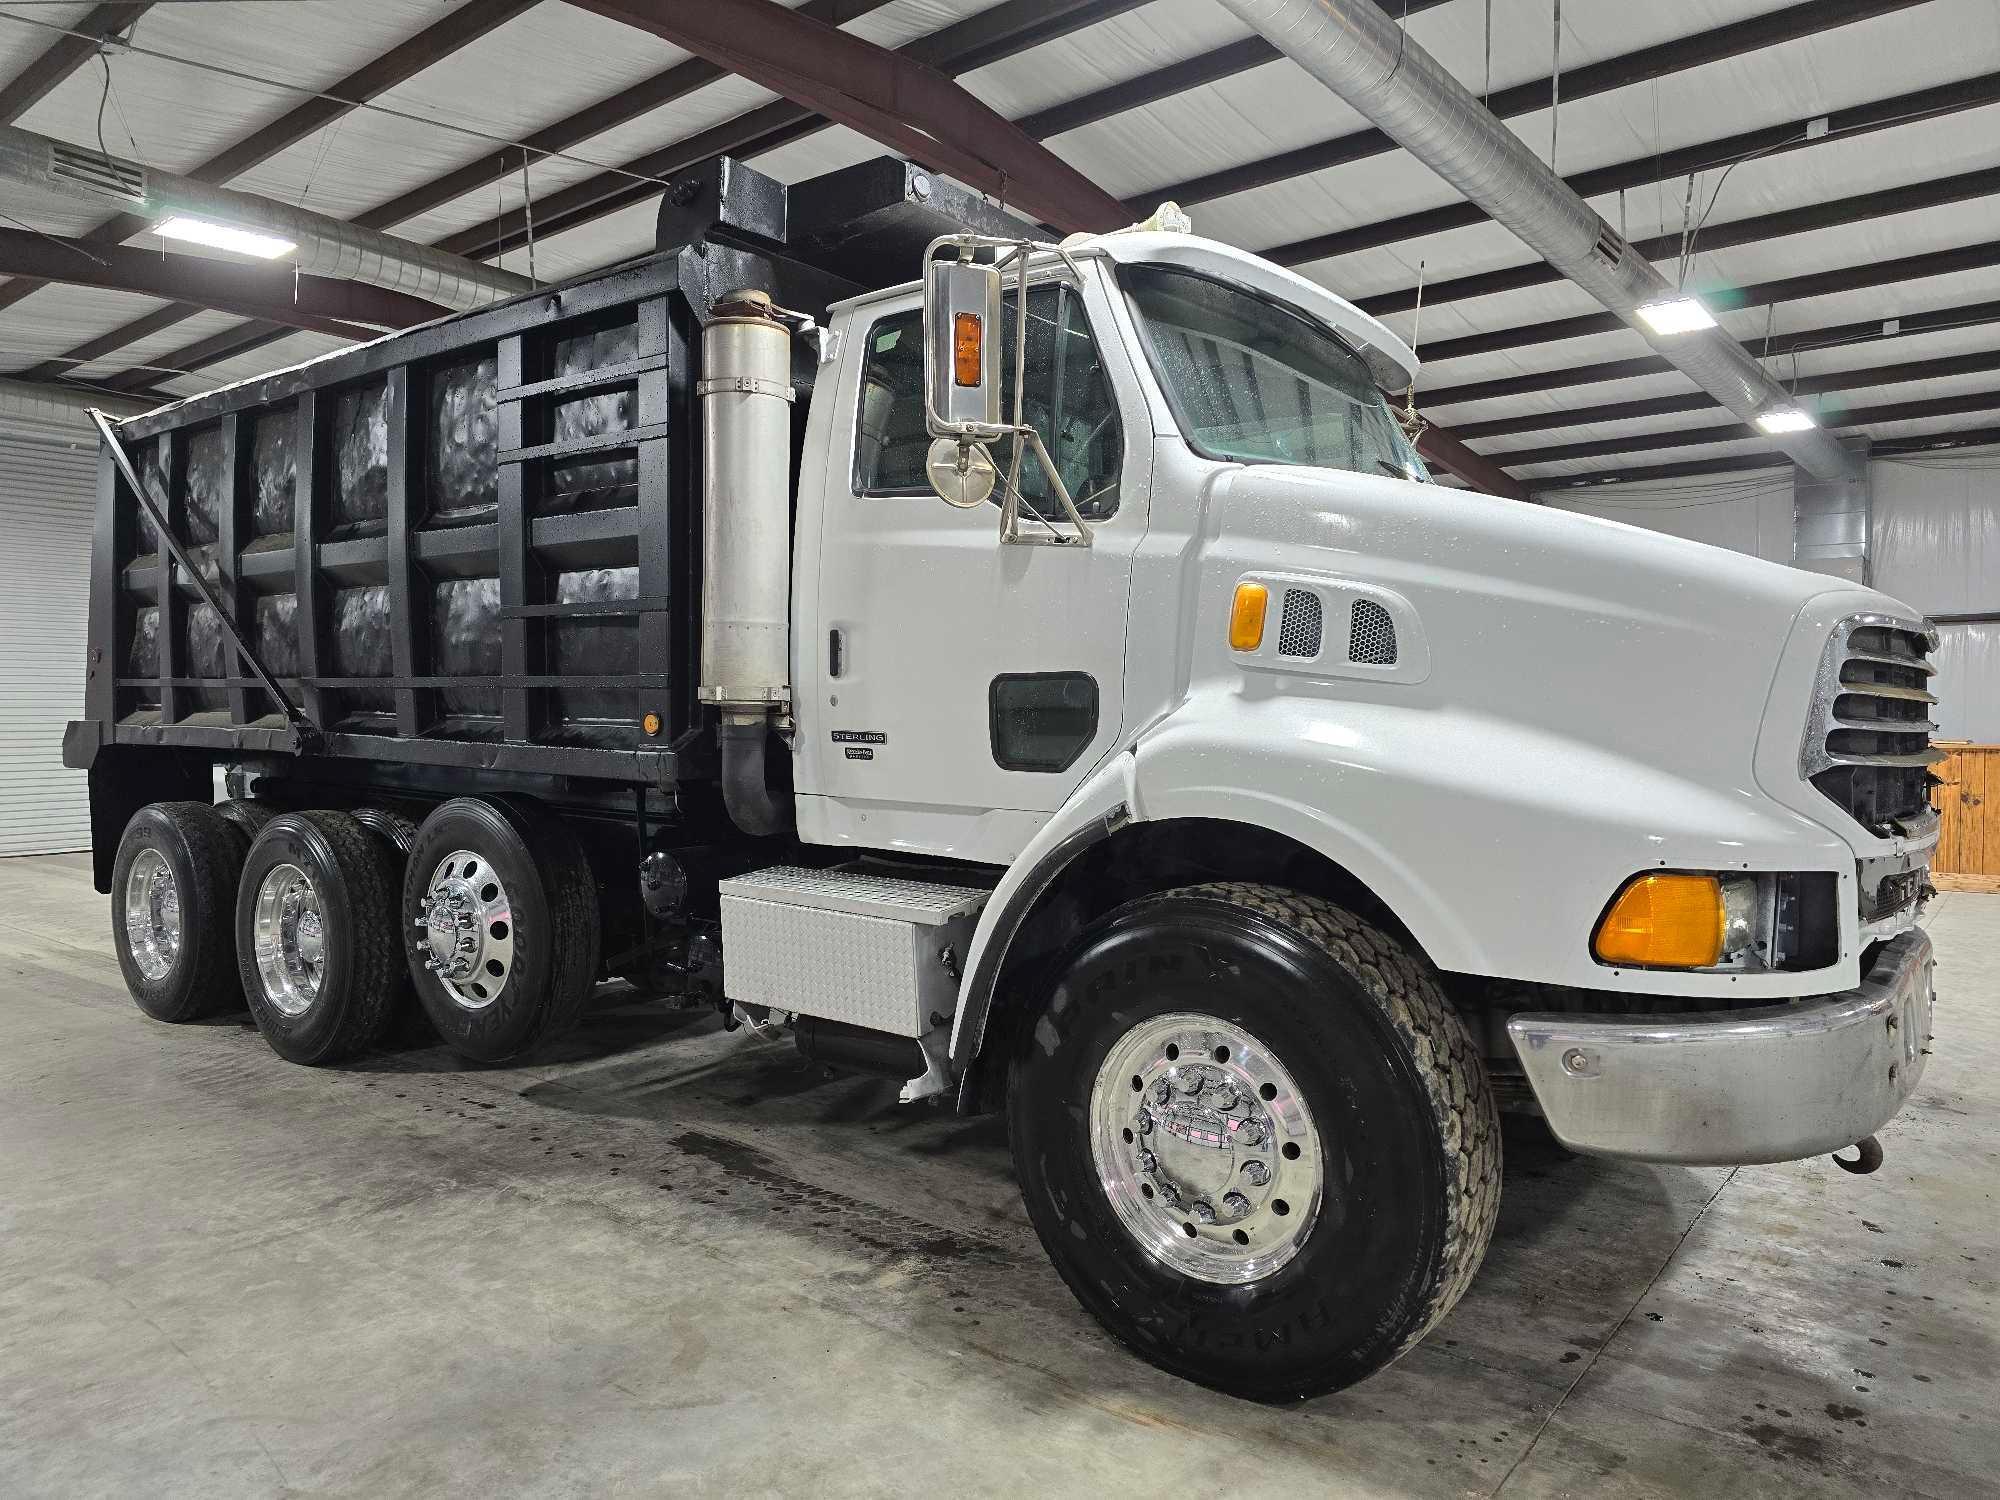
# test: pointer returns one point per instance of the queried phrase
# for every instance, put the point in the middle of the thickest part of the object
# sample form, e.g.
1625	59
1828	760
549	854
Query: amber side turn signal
967	348
1246	616
1664	921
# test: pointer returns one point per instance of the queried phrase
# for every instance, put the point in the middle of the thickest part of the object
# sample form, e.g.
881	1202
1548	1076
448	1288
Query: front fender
1496	843
1099	807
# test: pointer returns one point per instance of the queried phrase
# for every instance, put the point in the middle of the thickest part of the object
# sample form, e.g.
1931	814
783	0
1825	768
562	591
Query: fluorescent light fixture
1782	419
225	237
1677	315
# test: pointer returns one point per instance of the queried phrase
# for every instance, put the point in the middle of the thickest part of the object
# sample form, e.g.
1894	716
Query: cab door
953	690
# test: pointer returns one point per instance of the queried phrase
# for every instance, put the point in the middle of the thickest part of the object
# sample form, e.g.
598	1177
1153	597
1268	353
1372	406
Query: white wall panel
1935	540
48	482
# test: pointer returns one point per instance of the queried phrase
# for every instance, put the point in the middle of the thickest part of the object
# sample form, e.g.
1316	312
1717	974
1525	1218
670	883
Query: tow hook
1868	1158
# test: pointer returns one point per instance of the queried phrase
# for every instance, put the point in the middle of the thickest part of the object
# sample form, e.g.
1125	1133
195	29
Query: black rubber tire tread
360	995
1445	1114
207	851
559	881
1407	990
247	817
572	895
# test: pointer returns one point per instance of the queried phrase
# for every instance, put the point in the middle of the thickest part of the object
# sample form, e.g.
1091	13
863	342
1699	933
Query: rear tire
500	926
173	898
1255	1138
316	936
246	817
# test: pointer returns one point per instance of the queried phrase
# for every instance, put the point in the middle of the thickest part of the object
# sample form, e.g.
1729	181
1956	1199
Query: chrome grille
1868	745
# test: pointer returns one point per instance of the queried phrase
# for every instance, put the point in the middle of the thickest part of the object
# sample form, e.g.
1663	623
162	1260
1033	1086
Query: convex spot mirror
962	338
962	472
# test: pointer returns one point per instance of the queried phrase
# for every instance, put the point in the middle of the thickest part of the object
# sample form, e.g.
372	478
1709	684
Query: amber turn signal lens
1246	616
967	347
1664	922
651	724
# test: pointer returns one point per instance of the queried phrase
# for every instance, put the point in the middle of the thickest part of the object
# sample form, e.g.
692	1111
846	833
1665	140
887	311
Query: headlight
1674	919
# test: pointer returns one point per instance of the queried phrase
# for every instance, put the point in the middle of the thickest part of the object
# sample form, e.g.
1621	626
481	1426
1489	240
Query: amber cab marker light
651	724
967	341
1246	616
1665	921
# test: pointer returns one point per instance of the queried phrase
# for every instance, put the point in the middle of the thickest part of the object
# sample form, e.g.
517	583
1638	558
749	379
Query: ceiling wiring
241	75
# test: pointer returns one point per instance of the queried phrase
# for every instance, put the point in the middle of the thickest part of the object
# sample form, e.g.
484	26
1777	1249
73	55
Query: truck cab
1103	717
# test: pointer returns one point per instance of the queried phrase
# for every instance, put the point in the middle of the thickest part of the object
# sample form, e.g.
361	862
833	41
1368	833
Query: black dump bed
474	544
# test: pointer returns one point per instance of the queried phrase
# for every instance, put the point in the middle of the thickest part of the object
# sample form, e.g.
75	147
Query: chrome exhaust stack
746	445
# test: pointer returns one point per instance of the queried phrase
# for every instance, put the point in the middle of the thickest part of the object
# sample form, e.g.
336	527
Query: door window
1069	403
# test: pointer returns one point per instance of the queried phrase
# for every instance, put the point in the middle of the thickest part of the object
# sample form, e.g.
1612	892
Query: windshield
1254	381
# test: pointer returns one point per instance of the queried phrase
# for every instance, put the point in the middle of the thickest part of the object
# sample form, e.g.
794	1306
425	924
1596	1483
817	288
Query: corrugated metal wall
48	482
1935	543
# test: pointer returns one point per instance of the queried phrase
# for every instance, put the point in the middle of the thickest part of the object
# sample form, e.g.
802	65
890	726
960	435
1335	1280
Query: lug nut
1202	1213
1257	1172
1148	1162
1235	1205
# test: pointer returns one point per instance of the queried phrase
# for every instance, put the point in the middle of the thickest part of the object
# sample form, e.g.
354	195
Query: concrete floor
671	1257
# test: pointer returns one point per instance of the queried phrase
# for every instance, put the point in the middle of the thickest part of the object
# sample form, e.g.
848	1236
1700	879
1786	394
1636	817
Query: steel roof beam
973	42
243	338
64	56
1977	363
1870	330
991	36
346	309
1735	432
1776	140
1728	299
1809	18
1832	213
888	96
1735	463
434	43
1211	66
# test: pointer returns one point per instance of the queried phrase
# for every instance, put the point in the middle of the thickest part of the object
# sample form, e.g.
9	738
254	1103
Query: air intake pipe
1356	49
746	549
326	246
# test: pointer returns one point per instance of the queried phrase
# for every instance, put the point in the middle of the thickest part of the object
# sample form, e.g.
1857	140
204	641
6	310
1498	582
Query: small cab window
1069	403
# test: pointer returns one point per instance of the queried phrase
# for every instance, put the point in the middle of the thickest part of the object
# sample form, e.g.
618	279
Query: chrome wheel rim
152	914
1205	1148
288	939
467	929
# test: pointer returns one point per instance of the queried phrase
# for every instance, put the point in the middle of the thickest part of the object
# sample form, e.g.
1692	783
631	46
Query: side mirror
962	337
963	334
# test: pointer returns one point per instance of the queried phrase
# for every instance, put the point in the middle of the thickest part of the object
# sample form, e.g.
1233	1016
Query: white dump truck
1051	680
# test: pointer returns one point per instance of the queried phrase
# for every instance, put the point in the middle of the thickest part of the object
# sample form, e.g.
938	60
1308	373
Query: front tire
316	936
1255	1138
173	898
501	926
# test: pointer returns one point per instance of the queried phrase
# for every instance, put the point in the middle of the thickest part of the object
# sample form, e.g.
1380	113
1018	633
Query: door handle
836	653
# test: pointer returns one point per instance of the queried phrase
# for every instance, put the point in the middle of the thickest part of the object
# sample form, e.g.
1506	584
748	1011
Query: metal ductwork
1356	49
327	246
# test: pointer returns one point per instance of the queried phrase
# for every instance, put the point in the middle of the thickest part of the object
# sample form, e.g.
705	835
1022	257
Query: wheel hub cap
1205	1148
152	914
468	929
288	939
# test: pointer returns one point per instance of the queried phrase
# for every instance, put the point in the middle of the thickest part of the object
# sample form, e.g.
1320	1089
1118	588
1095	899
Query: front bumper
1723	1087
